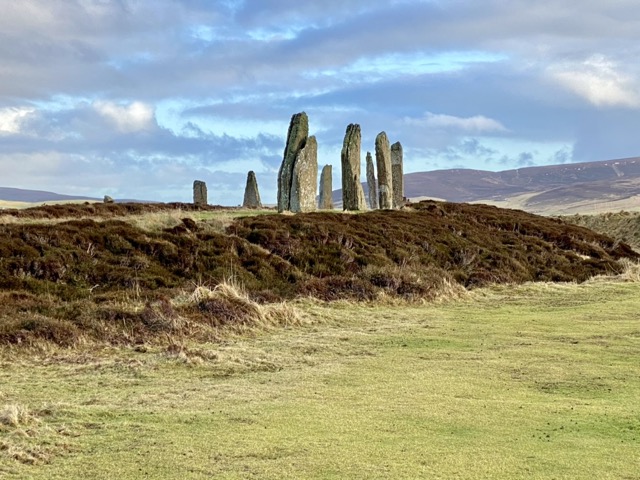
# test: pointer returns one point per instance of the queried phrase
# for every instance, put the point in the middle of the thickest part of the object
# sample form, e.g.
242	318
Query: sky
139	98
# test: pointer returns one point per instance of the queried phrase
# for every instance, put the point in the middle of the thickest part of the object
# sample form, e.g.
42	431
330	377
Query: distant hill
35	196
589	187
566	188
22	198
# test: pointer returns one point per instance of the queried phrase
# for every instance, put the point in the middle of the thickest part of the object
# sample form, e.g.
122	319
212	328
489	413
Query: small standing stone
251	193
304	186
371	183
326	188
199	192
107	199
352	193
397	175
383	161
296	139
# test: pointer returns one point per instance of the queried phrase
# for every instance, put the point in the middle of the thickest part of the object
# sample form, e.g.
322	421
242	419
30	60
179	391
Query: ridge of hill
34	196
464	185
554	189
588	187
74	277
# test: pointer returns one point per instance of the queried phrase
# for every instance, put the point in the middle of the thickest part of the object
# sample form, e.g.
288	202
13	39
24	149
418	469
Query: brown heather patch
473	244
113	281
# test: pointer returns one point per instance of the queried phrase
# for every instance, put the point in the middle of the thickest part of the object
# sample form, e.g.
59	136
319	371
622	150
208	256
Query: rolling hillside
35	196
591	187
556	189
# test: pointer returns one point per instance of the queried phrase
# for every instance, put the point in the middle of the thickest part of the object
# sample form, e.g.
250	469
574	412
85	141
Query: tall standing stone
371	183
385	181
352	193
199	192
326	188
251	193
296	139
304	186
397	175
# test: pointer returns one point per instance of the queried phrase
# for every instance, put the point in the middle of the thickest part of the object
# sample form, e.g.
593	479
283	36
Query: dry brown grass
16	416
25	438
232	307
151	222
631	272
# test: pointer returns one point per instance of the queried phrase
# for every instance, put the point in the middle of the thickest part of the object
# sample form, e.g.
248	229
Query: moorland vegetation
101	273
136	341
623	225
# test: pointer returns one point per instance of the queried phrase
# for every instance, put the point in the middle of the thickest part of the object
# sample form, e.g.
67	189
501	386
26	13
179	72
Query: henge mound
76	273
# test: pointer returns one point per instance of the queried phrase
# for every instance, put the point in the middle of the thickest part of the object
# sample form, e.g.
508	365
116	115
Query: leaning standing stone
397	175
383	161
371	183
199	192
304	186
326	188
251	193
296	139
352	193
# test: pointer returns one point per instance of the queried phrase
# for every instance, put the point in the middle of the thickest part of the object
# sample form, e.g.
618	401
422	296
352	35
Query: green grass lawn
539	381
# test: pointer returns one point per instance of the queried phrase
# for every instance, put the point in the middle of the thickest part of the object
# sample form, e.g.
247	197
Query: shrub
28	328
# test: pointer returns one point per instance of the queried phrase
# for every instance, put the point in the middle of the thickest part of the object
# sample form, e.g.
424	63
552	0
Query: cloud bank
139	98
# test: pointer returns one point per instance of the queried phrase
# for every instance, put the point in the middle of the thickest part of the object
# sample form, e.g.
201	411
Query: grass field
537	381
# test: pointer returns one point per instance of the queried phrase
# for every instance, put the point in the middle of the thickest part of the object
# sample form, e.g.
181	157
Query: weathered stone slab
397	178
251	193
352	193
296	139
107	199
304	186
200	192
371	183
326	188
385	181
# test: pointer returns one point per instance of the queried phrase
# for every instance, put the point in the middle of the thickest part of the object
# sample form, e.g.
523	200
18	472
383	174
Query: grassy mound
623	226
122	283
471	244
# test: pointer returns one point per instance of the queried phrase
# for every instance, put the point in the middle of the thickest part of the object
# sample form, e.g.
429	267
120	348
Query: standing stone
304	186
383	161
397	175
352	193
296	139
251	193
199	192
107	199
371	183
326	188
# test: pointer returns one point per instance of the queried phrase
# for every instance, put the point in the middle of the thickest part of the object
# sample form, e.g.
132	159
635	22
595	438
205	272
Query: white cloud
11	119
215	83
475	124
131	118
600	81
